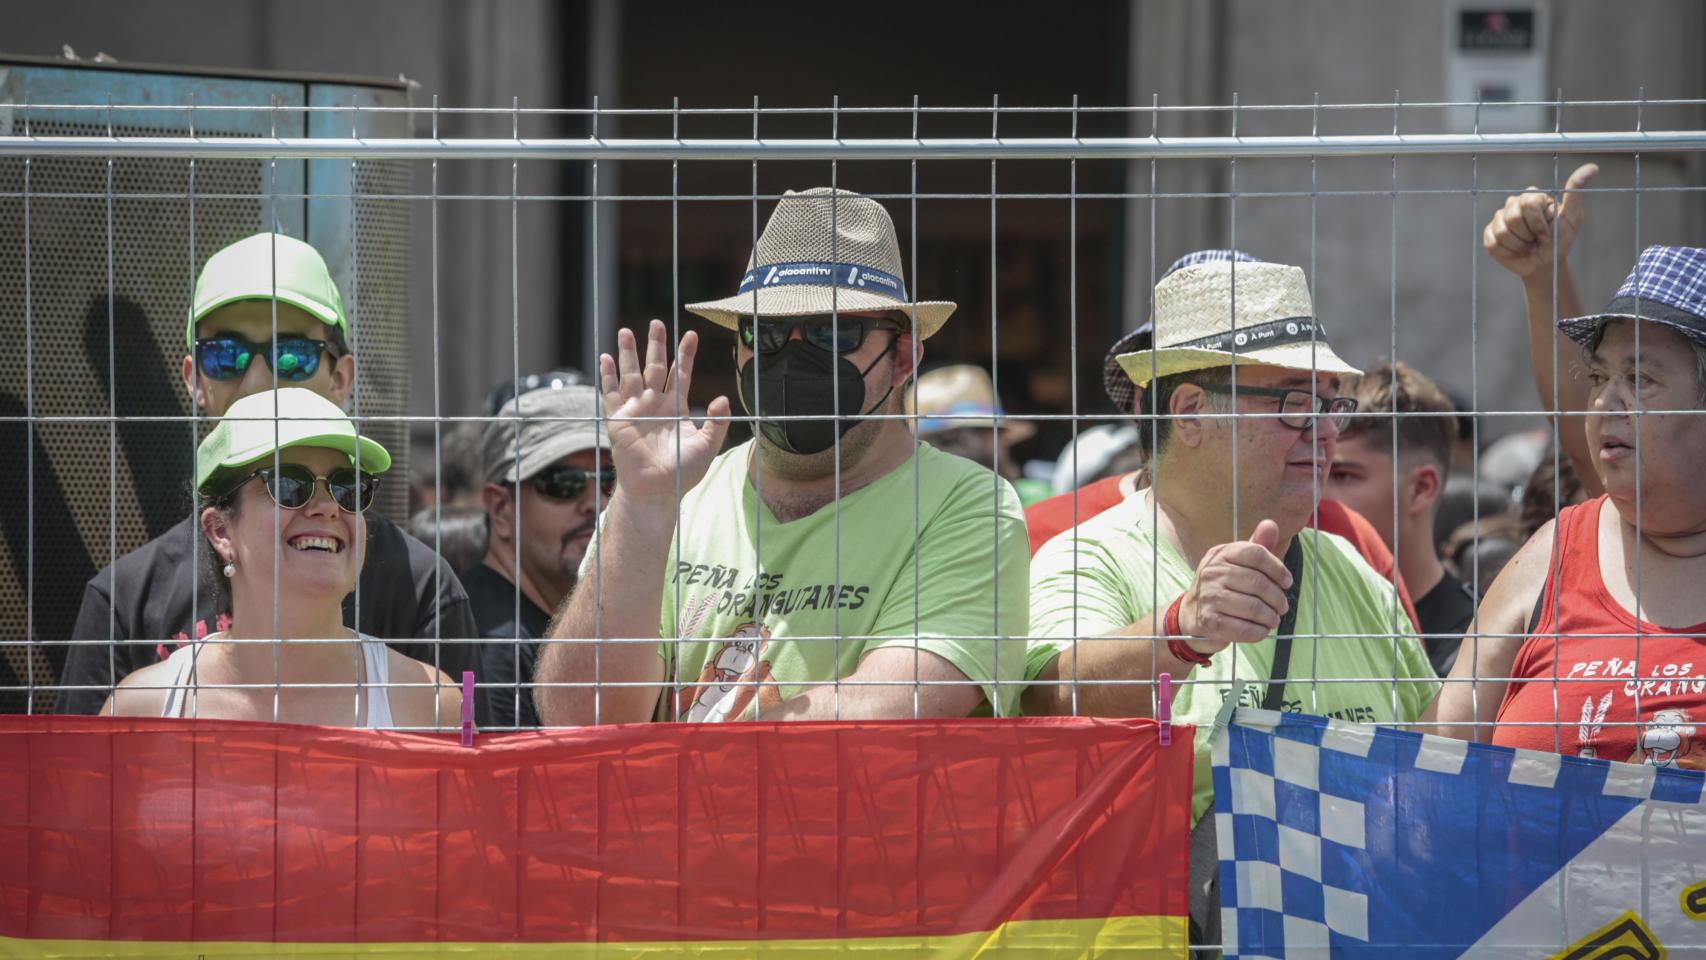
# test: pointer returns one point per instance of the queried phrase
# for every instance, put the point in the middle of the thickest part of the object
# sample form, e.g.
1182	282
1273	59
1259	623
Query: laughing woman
278	478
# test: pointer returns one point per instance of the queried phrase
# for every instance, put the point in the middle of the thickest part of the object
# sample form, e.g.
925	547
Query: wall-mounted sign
1500	31
1493	56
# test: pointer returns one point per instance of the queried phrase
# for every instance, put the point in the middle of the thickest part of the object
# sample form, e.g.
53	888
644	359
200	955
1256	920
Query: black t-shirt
1446	609
406	592
492	597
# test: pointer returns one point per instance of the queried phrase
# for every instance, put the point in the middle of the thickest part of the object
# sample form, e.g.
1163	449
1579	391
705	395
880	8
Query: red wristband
1170	621
1176	643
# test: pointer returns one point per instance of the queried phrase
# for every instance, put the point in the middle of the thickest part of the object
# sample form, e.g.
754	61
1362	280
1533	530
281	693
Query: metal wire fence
858	530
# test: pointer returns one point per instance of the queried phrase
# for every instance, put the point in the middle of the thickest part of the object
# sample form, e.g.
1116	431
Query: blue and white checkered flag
1345	840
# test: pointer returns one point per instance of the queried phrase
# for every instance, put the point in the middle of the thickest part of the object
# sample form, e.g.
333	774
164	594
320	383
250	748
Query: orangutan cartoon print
1668	741
726	686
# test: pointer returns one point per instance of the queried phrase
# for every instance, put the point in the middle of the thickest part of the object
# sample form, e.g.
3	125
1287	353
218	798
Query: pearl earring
230	569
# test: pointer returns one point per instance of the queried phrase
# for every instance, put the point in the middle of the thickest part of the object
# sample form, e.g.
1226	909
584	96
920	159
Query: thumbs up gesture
1239	593
1522	234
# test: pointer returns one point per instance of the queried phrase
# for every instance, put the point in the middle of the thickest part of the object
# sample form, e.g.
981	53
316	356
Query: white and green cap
268	266
261	423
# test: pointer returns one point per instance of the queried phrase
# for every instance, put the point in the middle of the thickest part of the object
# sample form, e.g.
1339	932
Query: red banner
967	837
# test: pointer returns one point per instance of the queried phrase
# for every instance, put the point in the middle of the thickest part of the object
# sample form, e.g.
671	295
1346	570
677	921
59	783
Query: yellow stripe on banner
1138	937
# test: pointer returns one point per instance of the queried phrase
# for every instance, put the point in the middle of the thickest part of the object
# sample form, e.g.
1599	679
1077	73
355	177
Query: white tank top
374	656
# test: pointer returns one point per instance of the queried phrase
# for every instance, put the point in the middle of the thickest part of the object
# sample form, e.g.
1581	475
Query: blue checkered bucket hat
1119	387
1668	285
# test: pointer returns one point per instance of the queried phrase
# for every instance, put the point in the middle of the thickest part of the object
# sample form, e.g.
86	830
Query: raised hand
1239	593
1522	234
649	453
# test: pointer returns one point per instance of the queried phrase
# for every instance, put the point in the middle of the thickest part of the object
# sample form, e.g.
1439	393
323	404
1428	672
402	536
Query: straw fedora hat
824	249
951	398
1199	324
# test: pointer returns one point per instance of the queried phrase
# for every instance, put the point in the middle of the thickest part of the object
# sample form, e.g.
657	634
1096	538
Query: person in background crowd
1098	452
267	525
958	413
548	474
1464	500
1463	450
450	476
457	532
1552	487
1047	519
1217	551
1400	409
264	313
503	393
1476	552
1589	642
823	526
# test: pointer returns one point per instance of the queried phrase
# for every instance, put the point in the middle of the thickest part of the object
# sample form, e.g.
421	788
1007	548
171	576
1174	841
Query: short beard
568	570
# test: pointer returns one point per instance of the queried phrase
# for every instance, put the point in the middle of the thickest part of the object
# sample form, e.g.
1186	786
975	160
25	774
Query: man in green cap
265	314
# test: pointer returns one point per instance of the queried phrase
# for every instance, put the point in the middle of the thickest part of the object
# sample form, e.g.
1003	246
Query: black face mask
800	380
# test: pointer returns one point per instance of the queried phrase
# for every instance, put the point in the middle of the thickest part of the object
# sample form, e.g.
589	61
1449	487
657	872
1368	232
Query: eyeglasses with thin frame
841	334
294	358
1297	408
567	483
291	486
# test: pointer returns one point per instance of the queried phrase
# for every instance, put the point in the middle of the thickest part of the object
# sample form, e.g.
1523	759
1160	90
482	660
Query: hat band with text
1261	336
819	273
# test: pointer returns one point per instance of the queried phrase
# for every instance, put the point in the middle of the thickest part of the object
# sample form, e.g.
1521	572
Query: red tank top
1580	681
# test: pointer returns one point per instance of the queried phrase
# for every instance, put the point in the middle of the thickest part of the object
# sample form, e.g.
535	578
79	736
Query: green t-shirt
1112	571
775	615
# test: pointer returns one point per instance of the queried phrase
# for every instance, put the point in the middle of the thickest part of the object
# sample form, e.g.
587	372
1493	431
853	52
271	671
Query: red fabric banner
204	831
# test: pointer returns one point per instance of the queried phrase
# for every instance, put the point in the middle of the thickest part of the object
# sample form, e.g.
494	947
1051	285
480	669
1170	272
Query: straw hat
1199	324
952	398
1115	383
824	249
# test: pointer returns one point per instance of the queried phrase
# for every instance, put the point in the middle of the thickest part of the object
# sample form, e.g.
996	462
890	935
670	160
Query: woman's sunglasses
293	358
291	486
567	483
844	335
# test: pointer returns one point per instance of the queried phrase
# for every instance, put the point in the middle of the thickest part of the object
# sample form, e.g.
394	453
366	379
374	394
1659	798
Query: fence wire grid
35	194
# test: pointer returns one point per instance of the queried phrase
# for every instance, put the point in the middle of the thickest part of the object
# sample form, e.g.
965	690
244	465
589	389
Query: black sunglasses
291	486
844	335
228	356
1298	407
567	483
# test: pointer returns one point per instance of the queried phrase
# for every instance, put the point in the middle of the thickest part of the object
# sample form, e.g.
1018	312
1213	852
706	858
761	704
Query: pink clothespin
1164	712
467	708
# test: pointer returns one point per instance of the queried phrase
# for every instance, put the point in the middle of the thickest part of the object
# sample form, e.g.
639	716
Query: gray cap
553	423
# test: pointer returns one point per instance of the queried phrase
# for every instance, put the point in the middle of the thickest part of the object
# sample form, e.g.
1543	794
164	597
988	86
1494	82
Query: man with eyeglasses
1211	574
548	475
832	567
264	313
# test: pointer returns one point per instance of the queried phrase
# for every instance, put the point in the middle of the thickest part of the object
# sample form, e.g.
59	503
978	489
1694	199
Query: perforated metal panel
111	264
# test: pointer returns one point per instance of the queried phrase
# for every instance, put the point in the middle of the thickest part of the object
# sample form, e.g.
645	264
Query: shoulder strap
1275	695
178	695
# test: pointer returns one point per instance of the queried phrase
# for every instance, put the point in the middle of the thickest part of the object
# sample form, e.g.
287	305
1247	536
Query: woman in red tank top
1593	680
1592	641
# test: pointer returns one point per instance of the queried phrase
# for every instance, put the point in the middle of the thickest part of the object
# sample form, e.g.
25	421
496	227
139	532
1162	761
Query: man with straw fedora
832	566
1049	518
1211	573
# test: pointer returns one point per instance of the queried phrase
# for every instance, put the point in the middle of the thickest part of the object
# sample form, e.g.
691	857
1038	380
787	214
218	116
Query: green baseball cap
261	423
267	266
